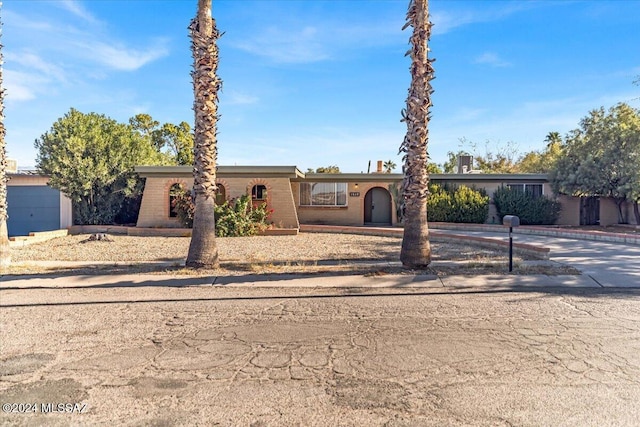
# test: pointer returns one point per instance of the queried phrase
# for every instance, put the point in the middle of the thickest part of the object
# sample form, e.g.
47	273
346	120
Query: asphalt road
163	356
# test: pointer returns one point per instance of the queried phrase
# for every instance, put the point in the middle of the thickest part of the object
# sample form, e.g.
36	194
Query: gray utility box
511	221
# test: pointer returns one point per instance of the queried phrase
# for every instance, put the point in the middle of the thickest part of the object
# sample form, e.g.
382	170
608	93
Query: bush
184	206
235	218
451	203
532	210
241	218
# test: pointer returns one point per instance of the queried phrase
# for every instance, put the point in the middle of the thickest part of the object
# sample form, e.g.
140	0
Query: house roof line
295	174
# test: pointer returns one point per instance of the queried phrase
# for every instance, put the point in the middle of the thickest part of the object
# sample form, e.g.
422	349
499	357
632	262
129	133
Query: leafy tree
416	249
433	168
503	160
602	158
203	250
175	142
5	252
90	158
325	169
544	161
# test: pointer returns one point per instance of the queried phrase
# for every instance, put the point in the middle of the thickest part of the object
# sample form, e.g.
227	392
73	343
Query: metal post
510	249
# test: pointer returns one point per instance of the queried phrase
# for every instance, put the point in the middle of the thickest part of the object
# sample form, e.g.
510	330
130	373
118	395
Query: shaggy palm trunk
416	250
5	255
203	251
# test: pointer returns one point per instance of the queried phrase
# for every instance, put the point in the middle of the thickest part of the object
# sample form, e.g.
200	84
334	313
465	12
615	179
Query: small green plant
532	210
237	217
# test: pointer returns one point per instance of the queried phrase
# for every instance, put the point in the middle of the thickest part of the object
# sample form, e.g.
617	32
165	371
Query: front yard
304	253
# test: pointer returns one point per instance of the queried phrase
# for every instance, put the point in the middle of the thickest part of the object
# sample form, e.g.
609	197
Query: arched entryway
377	207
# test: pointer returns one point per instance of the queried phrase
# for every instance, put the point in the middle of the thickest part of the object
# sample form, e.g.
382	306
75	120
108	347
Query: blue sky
314	83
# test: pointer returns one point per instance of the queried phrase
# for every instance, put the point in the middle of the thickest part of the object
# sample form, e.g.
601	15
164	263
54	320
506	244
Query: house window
259	192
533	189
221	195
323	194
174	190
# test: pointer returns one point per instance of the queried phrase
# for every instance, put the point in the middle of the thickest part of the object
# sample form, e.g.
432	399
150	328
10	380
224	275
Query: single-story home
342	198
34	206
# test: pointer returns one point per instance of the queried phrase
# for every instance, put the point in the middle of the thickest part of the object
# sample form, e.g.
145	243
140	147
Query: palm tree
5	254
553	138
416	250
203	251
389	166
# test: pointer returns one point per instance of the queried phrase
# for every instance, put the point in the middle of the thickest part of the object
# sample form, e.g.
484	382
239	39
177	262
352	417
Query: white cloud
492	59
119	57
75	7
237	98
446	21
289	47
31	61
19	86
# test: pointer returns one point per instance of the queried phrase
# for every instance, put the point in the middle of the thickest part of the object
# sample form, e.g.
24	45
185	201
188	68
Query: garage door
32	208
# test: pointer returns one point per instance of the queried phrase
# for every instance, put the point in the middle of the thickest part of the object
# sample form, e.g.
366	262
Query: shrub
450	203
184	206
532	210
235	218
241	218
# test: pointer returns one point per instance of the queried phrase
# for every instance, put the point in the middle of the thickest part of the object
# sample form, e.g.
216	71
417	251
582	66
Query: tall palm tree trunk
5	254
416	250
203	251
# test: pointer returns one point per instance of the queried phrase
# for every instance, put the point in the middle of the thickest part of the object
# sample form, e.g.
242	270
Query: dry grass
304	253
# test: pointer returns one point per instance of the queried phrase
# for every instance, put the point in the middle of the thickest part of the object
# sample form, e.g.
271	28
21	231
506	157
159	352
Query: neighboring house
34	206
338	199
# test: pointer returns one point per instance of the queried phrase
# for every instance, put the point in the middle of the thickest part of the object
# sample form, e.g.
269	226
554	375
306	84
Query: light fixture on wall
356	186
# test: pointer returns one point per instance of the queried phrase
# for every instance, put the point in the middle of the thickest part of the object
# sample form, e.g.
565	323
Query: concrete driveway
607	264
184	354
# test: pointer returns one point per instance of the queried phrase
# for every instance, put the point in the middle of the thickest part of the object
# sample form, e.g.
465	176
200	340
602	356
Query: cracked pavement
215	355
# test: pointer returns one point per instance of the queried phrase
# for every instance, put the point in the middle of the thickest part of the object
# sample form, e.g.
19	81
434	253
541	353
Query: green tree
502	160
90	158
602	158
542	161
174	142
416	248
497	158
5	252
325	169
203	250
433	168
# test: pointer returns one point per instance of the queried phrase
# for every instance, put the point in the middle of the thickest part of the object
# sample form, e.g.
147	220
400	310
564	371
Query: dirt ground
304	253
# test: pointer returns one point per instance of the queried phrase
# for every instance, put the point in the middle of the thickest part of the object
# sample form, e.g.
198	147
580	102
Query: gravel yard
260	249
304	253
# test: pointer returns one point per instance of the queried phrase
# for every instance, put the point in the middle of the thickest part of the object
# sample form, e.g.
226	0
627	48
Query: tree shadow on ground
294	293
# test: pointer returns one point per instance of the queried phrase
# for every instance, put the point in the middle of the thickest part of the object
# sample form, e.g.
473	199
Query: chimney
379	170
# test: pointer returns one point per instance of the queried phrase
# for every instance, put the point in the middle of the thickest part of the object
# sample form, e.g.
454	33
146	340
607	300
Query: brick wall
154	209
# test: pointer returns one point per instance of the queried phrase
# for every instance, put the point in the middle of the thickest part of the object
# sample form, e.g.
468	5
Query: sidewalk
300	281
